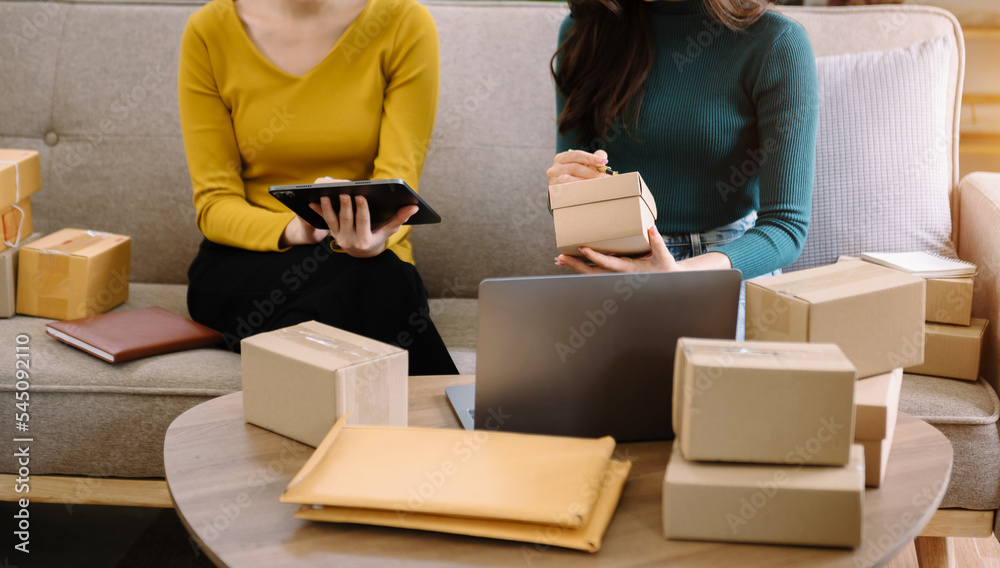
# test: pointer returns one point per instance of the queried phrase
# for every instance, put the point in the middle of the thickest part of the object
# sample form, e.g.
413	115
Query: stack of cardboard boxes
875	314
20	177
69	274
953	339
764	448
766	429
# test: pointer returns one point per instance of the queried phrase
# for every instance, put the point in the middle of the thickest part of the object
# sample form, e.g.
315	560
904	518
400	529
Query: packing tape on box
303	337
12	225
865	271
771	354
53	279
77	243
370	393
52	282
17	198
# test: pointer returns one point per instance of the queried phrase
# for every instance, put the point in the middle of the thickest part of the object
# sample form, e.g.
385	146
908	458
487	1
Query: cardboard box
8	276
20	175
16	223
299	380
877	458
949	300
877	404
812	506
875	314
609	214
763	402
952	351
73	273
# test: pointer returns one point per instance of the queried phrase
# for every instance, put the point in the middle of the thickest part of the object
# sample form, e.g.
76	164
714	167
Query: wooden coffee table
225	477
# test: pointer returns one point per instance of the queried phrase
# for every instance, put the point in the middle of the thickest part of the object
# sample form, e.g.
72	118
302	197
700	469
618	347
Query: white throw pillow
882	154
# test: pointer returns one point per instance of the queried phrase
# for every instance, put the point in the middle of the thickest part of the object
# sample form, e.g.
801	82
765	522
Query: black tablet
384	196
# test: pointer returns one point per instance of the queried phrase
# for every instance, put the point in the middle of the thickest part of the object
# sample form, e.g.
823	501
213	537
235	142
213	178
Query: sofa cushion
966	413
882	176
455	319
88	417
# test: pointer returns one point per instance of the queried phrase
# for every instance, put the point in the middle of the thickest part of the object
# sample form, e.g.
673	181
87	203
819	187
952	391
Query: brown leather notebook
132	334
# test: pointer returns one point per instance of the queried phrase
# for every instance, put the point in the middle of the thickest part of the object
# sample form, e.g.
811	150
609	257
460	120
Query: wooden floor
969	553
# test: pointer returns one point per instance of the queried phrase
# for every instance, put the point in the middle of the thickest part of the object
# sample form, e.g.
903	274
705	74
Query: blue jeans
686	245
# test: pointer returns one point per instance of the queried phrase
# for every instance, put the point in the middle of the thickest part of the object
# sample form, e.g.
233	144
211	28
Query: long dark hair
607	56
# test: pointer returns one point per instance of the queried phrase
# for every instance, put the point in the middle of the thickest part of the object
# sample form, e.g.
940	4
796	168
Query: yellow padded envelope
553	490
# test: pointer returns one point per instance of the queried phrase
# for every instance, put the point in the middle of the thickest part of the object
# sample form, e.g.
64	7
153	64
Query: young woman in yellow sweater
292	91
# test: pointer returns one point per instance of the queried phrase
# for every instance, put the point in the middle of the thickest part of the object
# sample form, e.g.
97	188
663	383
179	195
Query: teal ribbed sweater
727	126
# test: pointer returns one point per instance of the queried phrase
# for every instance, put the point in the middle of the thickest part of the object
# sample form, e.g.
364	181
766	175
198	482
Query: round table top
225	477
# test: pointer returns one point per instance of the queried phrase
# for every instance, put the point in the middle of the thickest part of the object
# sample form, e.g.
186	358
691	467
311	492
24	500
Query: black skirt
241	292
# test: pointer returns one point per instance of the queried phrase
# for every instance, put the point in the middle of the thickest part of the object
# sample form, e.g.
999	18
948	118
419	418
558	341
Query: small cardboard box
812	506
610	215
875	314
952	351
763	402
877	458
949	300
20	176
877	404
8	276
16	223
299	380
73	273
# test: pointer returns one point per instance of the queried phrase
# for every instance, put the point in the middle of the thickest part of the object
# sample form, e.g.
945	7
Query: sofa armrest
979	242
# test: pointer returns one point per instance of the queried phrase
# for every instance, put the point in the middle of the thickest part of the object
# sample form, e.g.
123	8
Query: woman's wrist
709	261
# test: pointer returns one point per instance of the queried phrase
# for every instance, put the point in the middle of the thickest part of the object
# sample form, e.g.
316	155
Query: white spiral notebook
924	264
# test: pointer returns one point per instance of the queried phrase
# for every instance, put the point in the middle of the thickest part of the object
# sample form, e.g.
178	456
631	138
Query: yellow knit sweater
365	112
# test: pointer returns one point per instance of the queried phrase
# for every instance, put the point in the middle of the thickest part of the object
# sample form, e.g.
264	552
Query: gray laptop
589	355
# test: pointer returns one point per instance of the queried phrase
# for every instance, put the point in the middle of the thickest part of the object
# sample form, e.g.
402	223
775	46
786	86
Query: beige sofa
91	85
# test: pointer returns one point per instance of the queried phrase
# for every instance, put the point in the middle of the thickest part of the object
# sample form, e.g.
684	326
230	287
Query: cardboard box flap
601	189
684	472
766	355
76	242
322	345
837	281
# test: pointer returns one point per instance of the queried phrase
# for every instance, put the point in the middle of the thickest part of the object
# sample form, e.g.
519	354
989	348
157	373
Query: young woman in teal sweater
715	103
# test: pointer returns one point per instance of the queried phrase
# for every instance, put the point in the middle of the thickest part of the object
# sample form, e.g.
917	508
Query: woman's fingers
362	220
573	165
577	265
326	210
392	225
609	263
